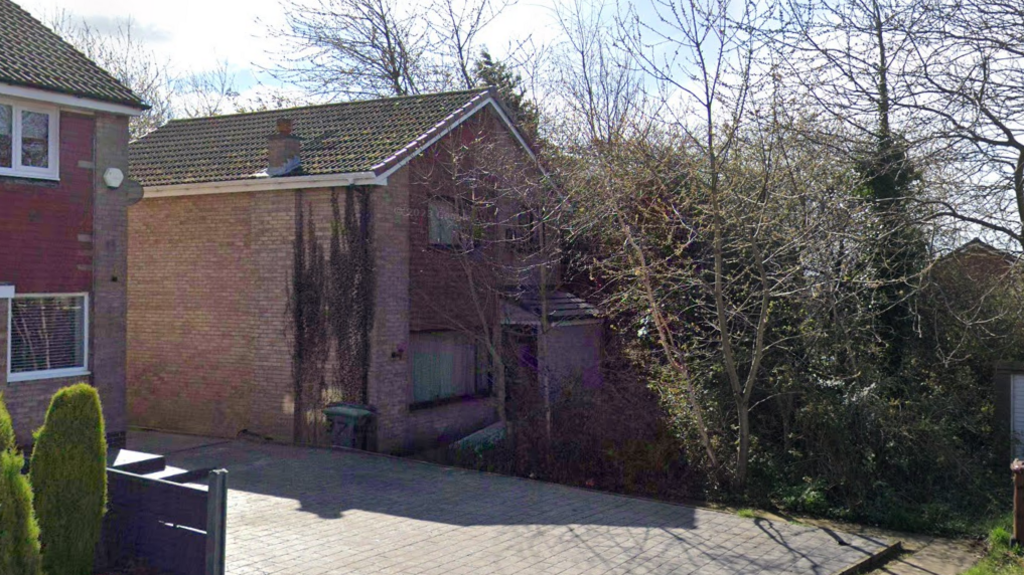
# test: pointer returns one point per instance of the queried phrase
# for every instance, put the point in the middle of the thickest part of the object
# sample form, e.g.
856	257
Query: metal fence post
216	521
1017	467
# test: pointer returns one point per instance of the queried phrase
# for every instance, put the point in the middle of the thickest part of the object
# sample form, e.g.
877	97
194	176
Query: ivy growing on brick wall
332	307
351	299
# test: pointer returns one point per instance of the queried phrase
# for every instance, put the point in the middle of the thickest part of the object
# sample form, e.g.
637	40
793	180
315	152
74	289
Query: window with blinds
48	336
444	365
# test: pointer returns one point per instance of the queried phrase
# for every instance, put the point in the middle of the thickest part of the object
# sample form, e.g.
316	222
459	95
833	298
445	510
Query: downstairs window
48	336
445	365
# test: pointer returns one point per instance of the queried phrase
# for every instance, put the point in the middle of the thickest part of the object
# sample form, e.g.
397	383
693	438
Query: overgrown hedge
8	441
68	474
19	531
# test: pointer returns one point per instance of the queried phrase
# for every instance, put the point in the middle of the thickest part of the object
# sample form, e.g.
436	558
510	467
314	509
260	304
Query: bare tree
711	219
458	27
968	79
354	48
853	60
598	87
376	48
208	93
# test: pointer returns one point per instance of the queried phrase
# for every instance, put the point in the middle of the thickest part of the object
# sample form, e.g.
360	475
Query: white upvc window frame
50	373
52	172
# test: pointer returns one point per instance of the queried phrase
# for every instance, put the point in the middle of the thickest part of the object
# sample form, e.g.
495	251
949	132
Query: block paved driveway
295	510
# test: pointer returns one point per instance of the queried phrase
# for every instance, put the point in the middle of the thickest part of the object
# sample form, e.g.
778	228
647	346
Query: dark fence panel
175	503
173	527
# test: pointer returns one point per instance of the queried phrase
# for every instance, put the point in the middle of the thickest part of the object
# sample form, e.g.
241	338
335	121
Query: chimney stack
283	149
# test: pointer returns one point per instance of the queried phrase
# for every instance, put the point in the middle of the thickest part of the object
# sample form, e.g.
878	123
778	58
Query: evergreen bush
8	442
19	532
68	474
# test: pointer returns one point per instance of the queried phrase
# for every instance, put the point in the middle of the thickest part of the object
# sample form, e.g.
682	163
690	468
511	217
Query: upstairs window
28	141
49	336
442	222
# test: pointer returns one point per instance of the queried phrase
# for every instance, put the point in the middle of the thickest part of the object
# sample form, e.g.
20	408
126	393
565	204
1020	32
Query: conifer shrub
8	442
19	532
68	474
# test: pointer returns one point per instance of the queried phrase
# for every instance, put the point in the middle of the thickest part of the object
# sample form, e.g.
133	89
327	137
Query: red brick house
221	250
63	223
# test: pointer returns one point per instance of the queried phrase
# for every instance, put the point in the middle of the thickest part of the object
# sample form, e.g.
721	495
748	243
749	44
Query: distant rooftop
350	137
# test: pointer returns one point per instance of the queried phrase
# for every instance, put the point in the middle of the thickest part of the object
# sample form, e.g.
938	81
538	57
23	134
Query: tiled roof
32	55
367	136
561	307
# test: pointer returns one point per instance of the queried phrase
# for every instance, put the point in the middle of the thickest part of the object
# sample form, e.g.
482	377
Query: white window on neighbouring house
28	141
48	336
444	365
1017	413
442	222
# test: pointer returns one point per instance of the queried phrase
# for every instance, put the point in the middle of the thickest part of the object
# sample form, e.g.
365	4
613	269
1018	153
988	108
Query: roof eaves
262	184
138	105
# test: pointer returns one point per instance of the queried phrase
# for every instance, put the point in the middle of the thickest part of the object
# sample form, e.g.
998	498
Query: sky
195	35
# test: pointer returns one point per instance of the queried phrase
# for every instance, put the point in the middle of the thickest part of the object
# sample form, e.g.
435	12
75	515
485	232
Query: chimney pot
284	126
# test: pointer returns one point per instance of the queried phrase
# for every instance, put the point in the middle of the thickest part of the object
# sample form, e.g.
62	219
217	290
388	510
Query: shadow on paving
543	519
331	482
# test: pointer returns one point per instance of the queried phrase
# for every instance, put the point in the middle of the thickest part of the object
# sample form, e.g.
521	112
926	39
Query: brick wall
439	292
191	319
209	341
273	230
390	389
108	322
209	323
70	236
440	296
46	226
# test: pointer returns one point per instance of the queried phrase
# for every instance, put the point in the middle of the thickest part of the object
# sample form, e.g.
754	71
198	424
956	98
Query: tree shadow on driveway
391	507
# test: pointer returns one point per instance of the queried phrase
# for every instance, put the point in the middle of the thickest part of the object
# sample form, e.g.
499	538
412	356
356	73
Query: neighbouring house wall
440	297
266	400
571	354
192	318
70	237
389	387
1003	403
210	327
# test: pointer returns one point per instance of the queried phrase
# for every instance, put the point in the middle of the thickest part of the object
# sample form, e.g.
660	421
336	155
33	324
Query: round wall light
113	178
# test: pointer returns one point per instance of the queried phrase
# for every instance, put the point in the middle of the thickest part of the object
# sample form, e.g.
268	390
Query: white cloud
198	35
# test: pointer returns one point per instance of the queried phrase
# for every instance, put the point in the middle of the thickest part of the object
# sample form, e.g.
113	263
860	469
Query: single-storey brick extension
221	252
63	223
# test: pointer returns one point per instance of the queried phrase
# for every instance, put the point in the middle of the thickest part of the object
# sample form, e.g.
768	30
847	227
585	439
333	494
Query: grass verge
1002	558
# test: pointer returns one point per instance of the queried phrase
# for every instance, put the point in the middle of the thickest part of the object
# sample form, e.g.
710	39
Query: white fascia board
489	101
66	100
6	291
265	185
